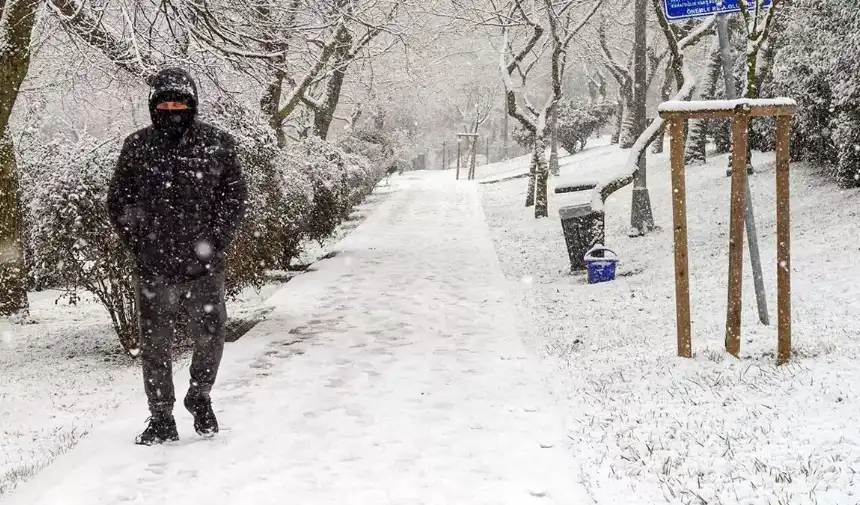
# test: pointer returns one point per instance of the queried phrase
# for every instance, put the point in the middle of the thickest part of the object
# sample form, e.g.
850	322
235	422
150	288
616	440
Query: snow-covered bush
340	180
385	150
280	198
69	234
817	65
577	122
295	194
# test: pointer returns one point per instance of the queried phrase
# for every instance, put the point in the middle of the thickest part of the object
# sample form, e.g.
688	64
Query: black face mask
173	122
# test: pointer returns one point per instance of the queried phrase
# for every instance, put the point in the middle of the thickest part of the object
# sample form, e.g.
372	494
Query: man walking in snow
176	200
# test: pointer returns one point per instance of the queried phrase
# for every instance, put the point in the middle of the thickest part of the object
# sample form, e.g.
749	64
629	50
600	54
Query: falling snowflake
204	250
7	339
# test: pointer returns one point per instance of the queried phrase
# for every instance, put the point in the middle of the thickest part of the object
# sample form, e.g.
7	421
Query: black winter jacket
178	194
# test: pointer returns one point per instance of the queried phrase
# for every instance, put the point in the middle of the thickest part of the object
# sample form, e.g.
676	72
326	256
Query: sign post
749	216
677	10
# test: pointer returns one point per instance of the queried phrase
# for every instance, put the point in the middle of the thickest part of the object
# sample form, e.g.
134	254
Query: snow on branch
296	95
90	29
696	35
508	69
606	187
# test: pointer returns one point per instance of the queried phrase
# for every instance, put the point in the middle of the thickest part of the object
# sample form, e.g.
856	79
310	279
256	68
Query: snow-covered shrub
577	122
279	197
817	65
69	234
295	194
383	153
340	180
386	151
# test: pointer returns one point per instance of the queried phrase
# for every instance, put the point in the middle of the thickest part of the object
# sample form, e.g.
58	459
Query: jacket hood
173	84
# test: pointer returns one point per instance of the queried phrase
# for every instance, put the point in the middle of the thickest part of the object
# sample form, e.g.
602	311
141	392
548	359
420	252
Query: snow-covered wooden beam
704	109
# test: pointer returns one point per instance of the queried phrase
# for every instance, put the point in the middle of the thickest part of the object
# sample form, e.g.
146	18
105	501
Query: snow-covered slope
649	427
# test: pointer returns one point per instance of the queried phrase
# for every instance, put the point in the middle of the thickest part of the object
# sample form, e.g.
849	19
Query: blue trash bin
600	269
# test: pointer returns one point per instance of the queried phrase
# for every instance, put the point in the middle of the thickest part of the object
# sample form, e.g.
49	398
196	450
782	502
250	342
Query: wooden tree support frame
739	111
473	138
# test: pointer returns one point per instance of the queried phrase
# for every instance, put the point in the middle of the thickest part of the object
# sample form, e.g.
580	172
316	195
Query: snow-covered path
395	373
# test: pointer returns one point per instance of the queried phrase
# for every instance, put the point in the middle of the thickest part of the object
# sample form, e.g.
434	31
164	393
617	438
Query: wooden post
472	148
739	195
783	240
444	156
458	159
474	158
679	217
740	134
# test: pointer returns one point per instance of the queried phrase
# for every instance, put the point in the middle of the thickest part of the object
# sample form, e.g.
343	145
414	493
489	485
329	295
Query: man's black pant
159	304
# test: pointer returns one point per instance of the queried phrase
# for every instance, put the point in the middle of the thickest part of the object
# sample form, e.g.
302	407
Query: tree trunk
541	176
659	143
592	91
665	94
530	192
270	103
553	156
17	19
641	216
473	157
13	268
627	136
323	116
619	119
505	133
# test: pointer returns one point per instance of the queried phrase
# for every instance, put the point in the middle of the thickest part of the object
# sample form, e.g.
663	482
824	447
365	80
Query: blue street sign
684	9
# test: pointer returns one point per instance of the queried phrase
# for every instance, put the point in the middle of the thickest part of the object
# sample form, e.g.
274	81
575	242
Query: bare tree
682	75
620	66
479	105
348	48
91	29
560	20
289	47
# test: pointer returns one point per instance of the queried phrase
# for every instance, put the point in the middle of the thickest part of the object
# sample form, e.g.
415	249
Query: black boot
162	428
205	423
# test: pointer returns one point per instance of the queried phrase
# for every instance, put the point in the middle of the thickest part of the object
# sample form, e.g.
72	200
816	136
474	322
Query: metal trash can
583	229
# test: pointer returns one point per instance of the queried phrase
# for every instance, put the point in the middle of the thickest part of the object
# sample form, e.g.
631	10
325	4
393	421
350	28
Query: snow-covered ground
394	372
648	427
66	373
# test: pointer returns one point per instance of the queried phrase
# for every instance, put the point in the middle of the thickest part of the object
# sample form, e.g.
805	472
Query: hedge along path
393	373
